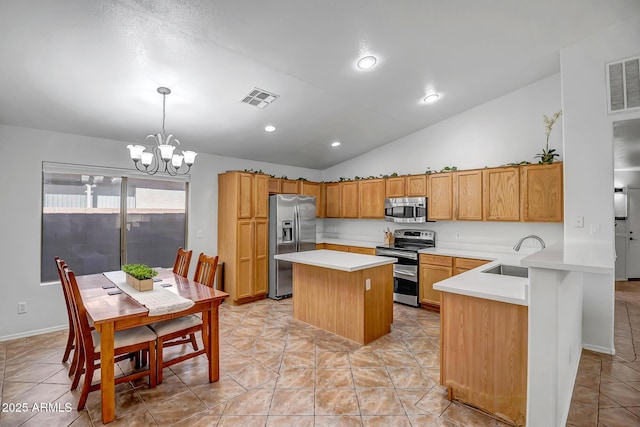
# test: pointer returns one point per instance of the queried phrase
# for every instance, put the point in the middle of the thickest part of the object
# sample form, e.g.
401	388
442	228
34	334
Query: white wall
505	130
588	129
588	168
23	151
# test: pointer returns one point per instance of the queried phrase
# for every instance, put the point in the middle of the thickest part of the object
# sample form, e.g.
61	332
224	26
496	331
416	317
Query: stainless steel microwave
405	209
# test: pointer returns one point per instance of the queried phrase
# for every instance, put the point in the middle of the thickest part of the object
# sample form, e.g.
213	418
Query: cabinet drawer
334	247
446	261
470	263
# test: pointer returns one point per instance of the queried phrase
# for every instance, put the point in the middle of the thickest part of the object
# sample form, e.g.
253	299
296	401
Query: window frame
124	174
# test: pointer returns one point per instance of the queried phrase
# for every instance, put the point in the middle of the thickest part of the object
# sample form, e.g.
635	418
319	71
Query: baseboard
32	333
599	349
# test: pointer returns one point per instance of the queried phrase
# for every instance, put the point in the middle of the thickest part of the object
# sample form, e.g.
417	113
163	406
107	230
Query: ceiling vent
260	98
624	85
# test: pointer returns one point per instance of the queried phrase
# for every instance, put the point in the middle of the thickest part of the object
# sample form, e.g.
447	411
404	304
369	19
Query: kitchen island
348	294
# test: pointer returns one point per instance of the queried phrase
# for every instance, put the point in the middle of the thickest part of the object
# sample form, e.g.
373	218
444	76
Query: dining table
111	311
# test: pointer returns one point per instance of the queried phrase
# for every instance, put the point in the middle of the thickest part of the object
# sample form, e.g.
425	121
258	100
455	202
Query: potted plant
548	156
139	276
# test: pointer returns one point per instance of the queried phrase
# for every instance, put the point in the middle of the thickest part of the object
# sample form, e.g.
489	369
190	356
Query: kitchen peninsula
348	294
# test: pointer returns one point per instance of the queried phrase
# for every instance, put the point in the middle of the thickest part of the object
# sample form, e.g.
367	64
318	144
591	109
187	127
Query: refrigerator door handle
298	229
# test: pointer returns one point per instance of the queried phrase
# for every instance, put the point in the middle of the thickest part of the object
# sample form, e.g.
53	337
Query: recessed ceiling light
367	62
432	97
269	128
335	143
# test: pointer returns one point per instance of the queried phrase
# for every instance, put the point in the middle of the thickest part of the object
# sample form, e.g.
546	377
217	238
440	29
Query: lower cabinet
484	355
345	248
252	260
435	268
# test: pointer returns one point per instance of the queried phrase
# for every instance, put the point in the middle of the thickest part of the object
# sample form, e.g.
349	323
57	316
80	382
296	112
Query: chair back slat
183	260
206	270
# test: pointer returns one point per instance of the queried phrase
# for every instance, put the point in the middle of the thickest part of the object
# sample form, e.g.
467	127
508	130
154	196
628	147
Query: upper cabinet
532	193
275	186
406	186
372	192
501	194
467	195
394	186
284	186
290	186
415	185
314	189
349	199
541	195
253	199
332	200
440	201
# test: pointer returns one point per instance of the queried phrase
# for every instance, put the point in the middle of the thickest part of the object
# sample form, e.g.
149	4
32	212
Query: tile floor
276	371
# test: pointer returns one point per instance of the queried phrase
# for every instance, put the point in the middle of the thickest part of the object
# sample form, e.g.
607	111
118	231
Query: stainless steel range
407	243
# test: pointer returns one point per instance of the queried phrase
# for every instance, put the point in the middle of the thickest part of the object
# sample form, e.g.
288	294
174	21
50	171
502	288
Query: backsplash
489	236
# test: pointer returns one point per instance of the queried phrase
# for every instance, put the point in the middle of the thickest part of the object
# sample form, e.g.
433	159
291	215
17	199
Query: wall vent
260	98
624	85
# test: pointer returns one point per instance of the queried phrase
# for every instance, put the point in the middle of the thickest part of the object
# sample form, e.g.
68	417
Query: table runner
158	301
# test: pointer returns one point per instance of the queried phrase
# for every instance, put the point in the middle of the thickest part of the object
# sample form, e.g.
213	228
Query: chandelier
161	156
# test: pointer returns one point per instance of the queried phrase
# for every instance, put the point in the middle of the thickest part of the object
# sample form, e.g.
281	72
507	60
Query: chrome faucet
532	236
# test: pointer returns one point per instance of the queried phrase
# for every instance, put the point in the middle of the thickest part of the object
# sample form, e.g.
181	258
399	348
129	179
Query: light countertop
336	260
476	283
588	257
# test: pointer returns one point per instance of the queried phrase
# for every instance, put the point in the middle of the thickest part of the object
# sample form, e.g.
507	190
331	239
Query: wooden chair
71	339
170	332
206	270
183	259
125	342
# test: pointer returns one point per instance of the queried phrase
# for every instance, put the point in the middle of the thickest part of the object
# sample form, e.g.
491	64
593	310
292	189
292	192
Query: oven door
405	284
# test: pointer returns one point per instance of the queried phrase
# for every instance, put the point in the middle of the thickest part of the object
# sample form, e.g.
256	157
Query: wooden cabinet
394	186
484	354
467	195
460	265
415	186
290	186
361	250
243	234
314	189
261	196
440	201
332	200
372	192
275	186
501	194
346	248
406	186
334	247
541	195
433	268
349	199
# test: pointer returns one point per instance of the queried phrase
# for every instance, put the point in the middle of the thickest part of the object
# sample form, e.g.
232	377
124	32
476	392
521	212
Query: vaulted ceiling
91	67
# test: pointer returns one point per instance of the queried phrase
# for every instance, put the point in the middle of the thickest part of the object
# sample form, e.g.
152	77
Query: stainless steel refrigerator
292	228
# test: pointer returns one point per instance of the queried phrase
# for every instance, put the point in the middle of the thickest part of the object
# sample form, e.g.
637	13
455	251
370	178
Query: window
82	213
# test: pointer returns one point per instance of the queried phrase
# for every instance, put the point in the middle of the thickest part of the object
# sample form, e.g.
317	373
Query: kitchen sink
509	270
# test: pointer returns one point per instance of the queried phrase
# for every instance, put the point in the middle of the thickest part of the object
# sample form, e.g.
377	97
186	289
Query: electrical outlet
595	228
22	307
367	284
457	236
199	234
